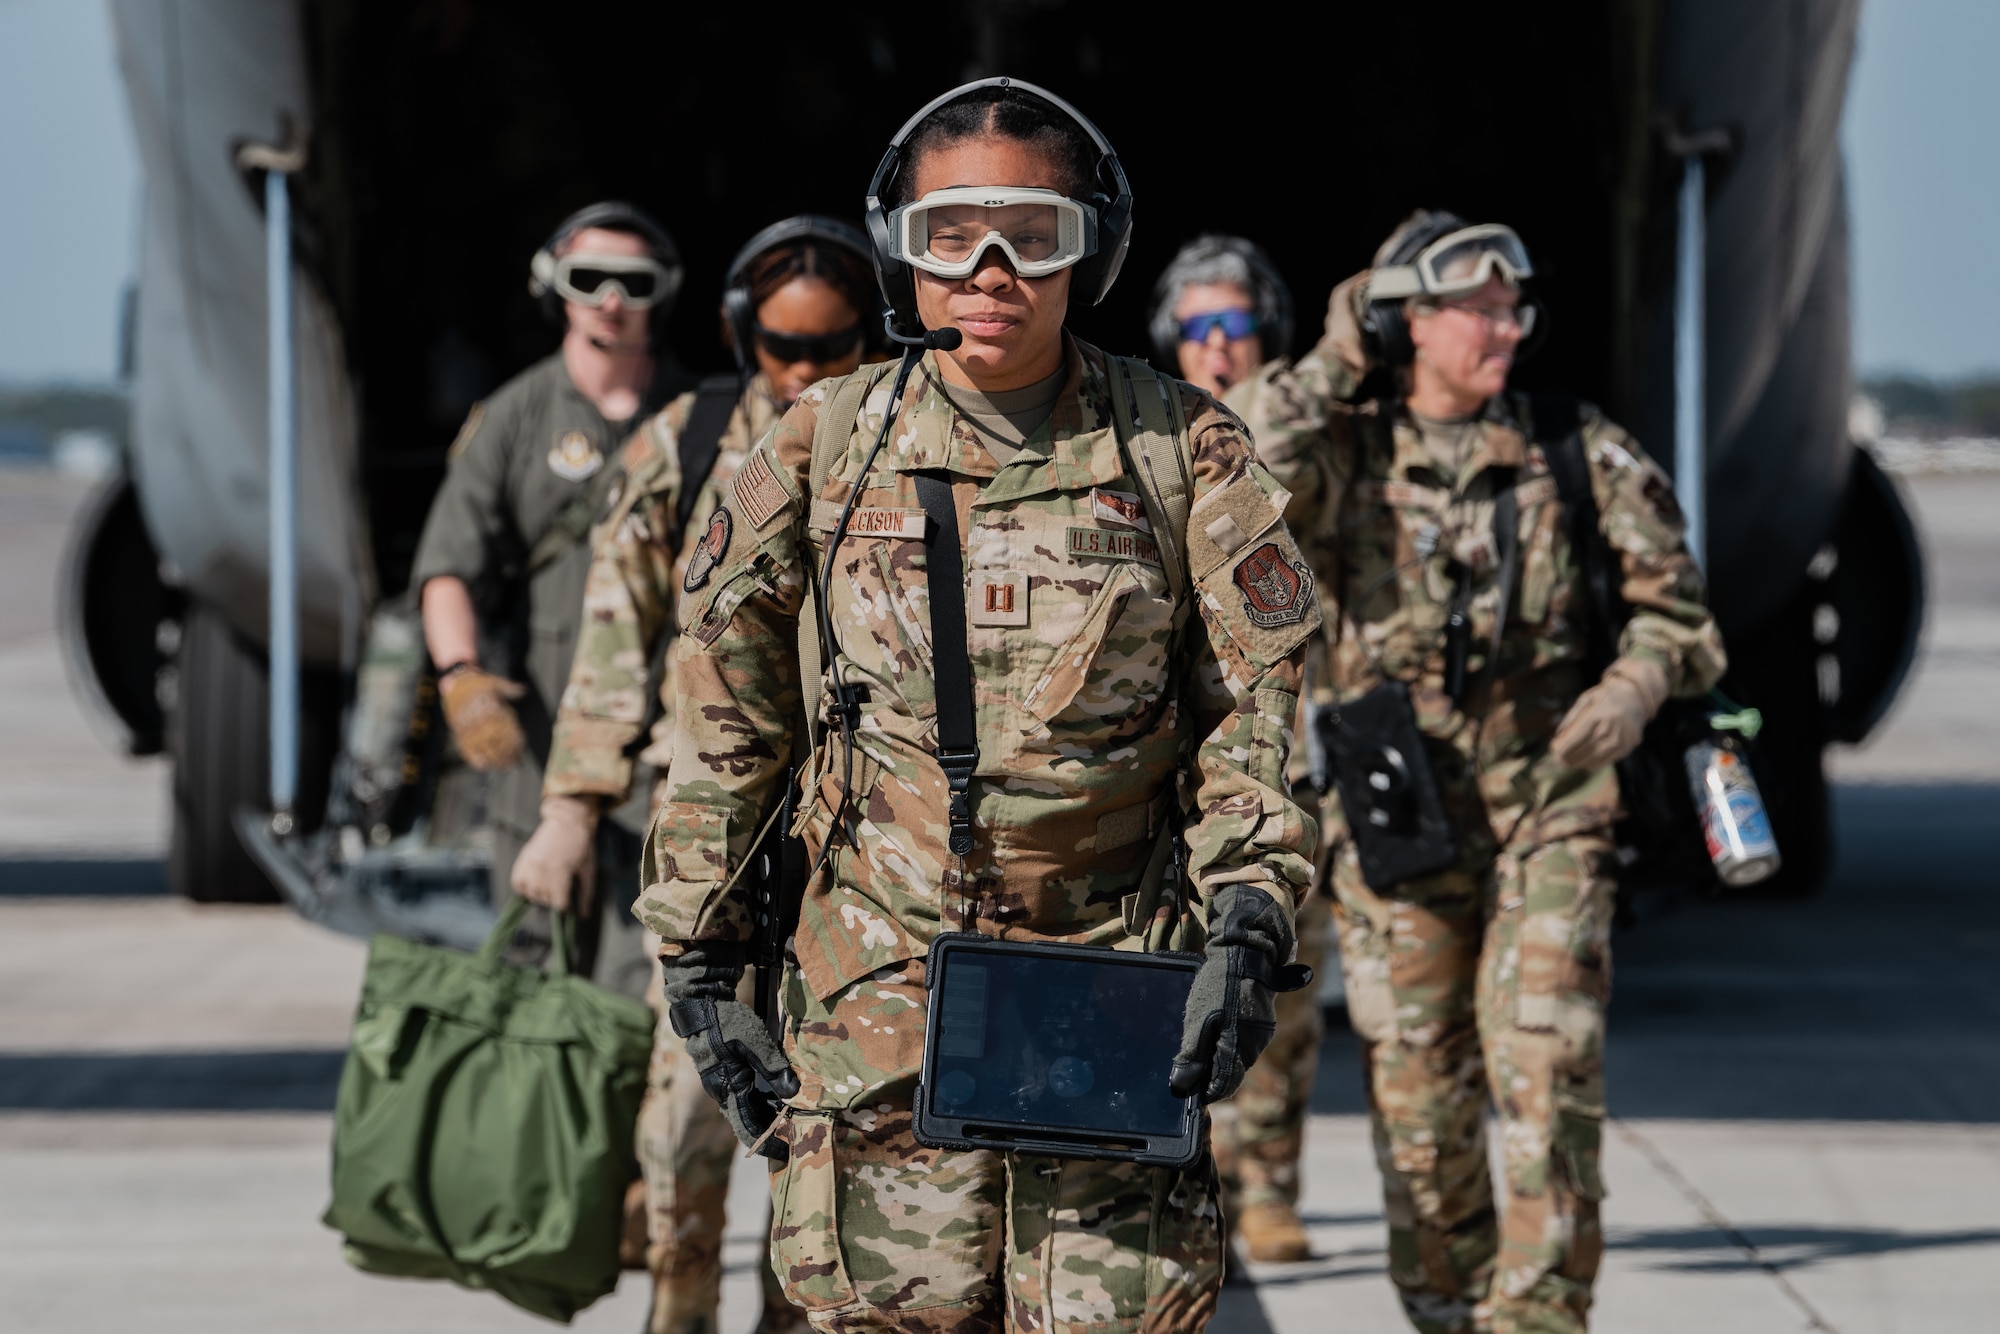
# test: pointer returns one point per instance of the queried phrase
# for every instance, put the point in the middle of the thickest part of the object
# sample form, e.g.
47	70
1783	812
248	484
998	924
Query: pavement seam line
1715	1218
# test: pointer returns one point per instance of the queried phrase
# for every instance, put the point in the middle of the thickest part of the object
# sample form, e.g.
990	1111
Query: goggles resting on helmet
589	279
948	232
1456	264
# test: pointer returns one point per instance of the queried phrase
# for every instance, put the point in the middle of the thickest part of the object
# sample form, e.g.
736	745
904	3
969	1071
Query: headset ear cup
1534	342
1387	333
899	289
741	320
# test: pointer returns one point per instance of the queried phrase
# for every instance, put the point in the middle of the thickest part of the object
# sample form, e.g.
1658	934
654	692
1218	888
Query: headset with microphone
618	216
1094	274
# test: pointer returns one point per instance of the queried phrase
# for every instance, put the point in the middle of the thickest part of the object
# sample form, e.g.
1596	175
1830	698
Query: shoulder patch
1276	590
708	552
758	491
463	440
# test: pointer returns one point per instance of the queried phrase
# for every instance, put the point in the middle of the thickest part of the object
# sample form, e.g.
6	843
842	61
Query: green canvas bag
484	1126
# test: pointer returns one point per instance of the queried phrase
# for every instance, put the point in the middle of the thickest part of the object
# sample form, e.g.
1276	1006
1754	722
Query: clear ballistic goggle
948	232
1457	264
588	279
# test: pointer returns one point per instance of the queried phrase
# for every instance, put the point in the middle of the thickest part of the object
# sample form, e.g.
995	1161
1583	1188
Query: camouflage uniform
1492	977
1087	733
1259	1131
638	559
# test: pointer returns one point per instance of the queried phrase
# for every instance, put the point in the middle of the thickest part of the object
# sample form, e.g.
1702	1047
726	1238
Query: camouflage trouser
1259	1133
873	1231
686	1150
1487	980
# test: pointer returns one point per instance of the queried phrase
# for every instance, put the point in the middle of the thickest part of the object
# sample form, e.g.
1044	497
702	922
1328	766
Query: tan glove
1343	324
1607	720
481	719
557	867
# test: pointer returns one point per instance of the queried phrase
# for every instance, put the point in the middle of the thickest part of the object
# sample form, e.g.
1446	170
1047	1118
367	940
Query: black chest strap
700	441
1559	431
951	665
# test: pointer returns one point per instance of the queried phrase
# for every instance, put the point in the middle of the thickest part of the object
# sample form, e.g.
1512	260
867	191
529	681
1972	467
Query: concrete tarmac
1806	1096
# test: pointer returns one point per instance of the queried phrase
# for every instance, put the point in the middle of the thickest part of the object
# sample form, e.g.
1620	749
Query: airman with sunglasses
1223	314
1406	456
500	565
798	302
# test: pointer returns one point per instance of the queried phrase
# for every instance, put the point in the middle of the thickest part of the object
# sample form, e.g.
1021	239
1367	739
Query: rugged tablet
1056	1049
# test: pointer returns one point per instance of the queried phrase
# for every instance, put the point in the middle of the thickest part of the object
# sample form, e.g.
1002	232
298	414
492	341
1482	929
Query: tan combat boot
1272	1234
684	1304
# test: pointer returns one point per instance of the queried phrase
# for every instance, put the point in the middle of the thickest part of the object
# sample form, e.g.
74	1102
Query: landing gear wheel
219	733
221	743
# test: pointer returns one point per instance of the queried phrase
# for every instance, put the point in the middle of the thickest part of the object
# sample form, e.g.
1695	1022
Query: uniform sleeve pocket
684	868
1263	600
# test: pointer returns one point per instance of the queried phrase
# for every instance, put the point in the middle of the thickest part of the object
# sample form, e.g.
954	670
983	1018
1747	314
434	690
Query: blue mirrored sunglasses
1234	324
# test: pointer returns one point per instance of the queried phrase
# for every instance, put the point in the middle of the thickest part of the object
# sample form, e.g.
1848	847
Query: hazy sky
1923	112
69	182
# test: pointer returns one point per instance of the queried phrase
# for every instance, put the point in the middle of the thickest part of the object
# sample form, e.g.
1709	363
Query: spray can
1732	812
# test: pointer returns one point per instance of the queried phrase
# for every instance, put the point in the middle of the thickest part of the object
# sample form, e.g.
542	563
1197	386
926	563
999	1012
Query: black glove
1232	1012
728	1043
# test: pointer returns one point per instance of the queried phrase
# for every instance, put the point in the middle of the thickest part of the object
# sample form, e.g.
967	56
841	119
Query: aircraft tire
221	743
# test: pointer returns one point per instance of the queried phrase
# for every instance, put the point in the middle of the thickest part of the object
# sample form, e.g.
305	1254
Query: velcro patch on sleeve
1266	598
1249	514
760	493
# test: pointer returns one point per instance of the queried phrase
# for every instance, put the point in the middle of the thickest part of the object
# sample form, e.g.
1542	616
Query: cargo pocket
1578	1147
683	869
1184	1248
1364	962
805	1232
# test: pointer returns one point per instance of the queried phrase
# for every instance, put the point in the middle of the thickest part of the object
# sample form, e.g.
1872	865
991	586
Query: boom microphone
942	340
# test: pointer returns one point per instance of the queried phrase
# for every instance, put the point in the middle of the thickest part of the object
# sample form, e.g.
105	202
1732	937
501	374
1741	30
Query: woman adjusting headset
1041	614
1472	729
798	305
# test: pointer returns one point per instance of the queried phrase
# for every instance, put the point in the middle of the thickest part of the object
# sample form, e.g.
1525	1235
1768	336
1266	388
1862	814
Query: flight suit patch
1112	544
999	597
575	458
709	551
758	491
1275	591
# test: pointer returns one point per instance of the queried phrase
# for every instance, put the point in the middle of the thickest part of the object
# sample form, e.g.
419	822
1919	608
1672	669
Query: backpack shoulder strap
700	441
830	437
1152	432
1558	429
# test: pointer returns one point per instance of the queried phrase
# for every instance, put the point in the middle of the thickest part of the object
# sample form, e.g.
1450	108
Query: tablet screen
1061	1042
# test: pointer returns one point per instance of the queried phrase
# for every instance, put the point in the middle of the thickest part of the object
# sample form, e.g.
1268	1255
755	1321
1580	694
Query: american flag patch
758	490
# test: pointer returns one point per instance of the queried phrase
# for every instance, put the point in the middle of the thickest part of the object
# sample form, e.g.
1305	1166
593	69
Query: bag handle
509	922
